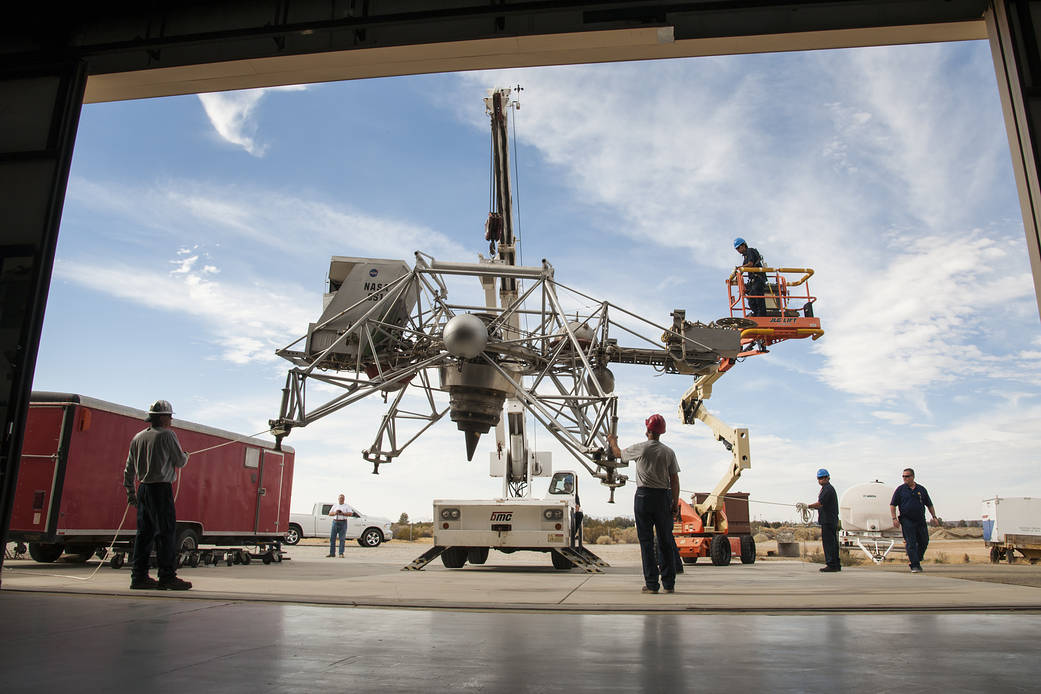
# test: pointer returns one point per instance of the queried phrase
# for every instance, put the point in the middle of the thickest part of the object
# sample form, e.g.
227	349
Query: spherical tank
466	336
865	507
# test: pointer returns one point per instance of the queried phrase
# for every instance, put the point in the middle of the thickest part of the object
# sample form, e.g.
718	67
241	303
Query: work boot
829	569
670	590
174	584
146	583
647	589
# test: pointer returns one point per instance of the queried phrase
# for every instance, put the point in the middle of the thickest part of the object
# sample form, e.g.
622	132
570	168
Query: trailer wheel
1010	555
293	534
690	560
80	553
193	559
266	558
719	550
995	554
454	557
477	555
45	552
372	537
560	562
244	557
116	562
747	549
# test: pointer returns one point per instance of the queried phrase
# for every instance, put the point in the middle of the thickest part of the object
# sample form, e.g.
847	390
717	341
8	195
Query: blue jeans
916	540
653	508
156	524
339	529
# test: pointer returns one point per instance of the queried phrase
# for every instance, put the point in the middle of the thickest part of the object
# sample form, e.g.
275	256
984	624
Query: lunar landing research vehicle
515	344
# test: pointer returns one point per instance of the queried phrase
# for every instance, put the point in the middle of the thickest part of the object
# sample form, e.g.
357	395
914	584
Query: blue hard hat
739	242
822	473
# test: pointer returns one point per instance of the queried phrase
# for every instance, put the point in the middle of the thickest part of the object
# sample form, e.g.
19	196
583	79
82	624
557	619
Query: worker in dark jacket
155	455
912	499
755	282
827	506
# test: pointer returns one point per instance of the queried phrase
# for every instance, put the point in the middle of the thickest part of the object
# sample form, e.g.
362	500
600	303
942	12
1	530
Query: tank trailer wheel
116	562
719	550
995	554
267	558
1010	555
245	558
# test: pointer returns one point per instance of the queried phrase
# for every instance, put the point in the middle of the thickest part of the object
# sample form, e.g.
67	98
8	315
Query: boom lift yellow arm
692	408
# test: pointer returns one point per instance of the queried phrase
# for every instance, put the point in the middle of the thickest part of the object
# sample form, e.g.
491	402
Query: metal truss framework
556	368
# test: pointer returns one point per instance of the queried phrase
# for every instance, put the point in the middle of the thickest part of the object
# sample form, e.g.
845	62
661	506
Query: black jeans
653	508
156	524
830	542
756	306
916	540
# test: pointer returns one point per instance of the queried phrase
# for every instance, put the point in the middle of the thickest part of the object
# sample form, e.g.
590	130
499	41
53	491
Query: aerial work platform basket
788	311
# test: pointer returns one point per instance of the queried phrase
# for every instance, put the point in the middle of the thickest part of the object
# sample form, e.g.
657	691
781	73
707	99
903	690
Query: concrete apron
372	578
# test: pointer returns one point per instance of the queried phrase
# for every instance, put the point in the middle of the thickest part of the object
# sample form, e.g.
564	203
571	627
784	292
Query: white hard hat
160	407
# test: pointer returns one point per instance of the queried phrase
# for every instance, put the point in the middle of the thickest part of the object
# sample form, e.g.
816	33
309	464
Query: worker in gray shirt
155	455
656	502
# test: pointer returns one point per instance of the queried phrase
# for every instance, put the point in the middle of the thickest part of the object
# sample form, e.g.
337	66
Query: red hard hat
655	424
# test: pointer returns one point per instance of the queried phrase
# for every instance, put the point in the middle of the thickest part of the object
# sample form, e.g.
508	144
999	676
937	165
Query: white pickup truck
369	531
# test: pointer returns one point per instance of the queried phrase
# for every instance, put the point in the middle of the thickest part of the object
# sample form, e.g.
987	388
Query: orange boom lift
703	528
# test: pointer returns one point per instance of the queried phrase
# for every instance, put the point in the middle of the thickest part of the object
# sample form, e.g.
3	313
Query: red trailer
69	497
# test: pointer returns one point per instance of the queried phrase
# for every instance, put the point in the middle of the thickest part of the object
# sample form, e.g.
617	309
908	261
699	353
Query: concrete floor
53	642
526	581
516	625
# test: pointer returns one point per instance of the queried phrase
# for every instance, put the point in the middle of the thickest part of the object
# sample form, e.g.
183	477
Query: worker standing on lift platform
755	282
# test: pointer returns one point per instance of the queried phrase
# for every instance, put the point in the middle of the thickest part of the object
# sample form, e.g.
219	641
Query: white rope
243	439
805	512
97	568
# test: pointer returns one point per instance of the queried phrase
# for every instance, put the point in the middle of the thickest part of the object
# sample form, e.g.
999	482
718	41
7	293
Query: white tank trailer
866	522
1010	525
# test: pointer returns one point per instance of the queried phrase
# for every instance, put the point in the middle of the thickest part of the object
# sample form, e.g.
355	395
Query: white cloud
233	115
190	211
238	316
884	188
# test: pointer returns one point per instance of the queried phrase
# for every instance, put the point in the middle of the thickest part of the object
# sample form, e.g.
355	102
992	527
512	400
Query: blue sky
197	233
